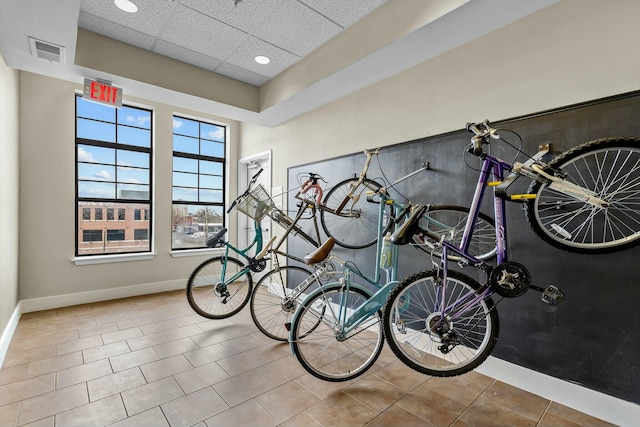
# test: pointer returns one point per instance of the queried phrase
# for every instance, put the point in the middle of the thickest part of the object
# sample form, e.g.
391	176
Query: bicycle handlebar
314	177
482	131
243	195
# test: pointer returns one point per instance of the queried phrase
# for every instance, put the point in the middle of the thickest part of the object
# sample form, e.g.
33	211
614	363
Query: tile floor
150	361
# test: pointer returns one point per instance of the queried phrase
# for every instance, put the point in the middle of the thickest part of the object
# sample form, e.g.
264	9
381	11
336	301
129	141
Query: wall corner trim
8	332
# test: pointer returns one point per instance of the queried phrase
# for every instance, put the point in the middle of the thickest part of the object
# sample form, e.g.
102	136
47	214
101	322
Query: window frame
145	204
200	157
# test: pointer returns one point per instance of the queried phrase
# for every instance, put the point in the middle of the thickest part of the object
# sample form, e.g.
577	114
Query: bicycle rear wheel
216	297
273	301
316	339
434	340
610	168
483	239
352	220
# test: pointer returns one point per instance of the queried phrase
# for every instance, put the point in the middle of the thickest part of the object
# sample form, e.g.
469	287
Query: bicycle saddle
321	253
403	235
216	239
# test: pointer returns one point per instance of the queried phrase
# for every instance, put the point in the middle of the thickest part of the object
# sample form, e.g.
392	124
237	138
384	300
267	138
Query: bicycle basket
257	204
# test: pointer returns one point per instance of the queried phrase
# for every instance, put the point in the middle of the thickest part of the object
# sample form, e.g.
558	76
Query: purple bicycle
442	322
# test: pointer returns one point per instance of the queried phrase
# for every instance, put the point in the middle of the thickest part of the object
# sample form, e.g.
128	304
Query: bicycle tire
285	222
207	295
611	169
315	343
272	304
483	239
356	226
415	334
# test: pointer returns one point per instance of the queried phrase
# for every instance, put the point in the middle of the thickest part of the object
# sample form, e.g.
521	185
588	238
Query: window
92	235
86	214
115	235
113	173
136	215
198	181
140	234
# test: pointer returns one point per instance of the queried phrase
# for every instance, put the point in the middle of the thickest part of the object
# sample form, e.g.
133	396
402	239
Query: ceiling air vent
45	50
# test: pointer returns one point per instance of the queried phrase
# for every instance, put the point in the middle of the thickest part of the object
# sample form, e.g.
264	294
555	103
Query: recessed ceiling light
261	59
126	5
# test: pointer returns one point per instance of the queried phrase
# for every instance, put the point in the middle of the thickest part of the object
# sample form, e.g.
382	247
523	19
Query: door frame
243	169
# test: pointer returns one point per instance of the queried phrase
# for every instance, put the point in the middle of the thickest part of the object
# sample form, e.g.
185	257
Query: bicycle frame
349	319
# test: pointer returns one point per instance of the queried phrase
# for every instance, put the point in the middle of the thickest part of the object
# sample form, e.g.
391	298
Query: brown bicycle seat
321	253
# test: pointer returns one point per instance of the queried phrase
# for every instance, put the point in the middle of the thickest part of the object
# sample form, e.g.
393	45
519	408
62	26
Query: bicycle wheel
355	225
216	297
436	344
610	168
273	301
483	239
318	342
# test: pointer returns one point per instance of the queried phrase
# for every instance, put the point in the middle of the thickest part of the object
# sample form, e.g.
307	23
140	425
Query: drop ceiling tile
247	15
344	13
185	55
234	72
244	57
297	28
115	31
149	19
200	33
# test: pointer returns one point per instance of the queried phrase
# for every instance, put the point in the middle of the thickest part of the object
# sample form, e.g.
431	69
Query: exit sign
102	92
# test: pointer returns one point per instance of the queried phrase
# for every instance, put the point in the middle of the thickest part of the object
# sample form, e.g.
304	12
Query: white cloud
177	124
217	135
103	174
85	156
138	121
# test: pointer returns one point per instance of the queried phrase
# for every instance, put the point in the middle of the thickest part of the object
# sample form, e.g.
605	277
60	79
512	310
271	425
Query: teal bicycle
336	332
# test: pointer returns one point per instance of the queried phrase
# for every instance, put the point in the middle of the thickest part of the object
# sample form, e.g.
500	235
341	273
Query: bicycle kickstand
551	295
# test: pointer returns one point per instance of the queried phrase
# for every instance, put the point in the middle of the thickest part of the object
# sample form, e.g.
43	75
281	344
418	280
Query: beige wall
574	51
9	190
47	198
570	52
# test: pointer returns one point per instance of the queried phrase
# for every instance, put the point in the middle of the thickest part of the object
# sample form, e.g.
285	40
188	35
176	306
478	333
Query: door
248	167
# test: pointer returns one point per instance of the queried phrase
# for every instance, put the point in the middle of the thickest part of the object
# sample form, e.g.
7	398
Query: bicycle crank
510	279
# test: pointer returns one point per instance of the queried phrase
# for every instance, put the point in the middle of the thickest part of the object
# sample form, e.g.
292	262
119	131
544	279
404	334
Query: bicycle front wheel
610	169
219	287
351	219
483	239
435	333
273	300
321	344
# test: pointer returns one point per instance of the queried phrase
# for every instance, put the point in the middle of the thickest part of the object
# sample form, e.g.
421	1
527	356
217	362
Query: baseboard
8	332
66	300
599	405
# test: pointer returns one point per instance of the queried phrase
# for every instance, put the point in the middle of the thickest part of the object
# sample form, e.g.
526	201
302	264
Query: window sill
196	252
105	259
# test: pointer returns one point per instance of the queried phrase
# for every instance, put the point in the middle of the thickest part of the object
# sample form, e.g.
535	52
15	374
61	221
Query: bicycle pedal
552	295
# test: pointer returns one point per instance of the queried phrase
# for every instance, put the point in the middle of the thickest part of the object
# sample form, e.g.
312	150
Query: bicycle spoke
610	169
436	340
319	339
217	295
